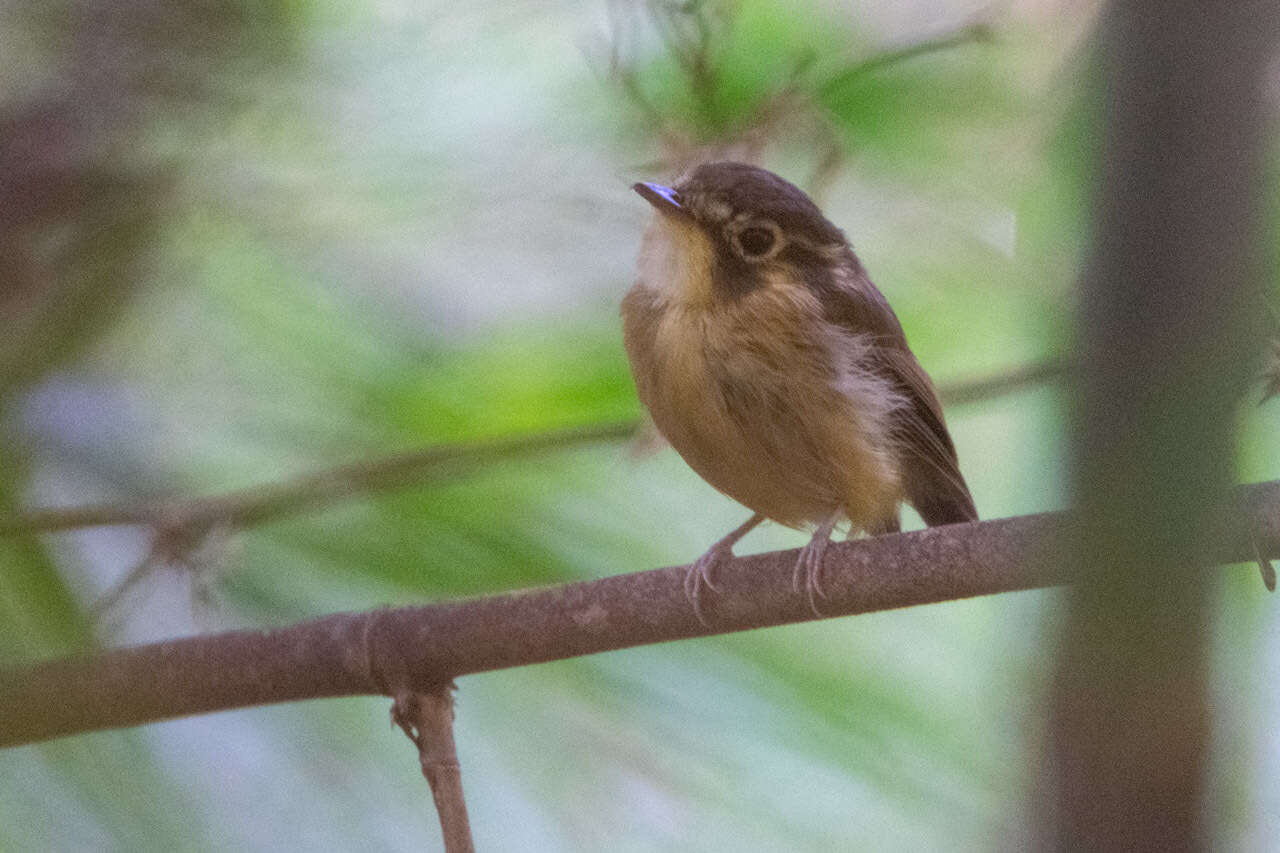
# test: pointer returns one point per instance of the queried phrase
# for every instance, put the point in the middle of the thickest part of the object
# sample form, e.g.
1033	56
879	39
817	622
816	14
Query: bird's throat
677	261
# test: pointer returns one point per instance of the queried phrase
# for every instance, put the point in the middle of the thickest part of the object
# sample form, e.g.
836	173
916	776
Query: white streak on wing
871	396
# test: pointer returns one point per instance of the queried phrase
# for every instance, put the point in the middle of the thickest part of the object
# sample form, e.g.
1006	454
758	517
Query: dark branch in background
77	218
978	31
415	649
1171	329
182	526
260	504
1007	382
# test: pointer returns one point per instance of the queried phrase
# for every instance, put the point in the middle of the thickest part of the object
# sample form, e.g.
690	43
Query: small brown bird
778	371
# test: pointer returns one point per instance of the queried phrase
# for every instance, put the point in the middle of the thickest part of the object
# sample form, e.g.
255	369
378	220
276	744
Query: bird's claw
699	575
809	567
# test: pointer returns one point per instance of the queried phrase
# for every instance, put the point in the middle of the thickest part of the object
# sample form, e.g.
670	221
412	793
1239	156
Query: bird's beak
664	199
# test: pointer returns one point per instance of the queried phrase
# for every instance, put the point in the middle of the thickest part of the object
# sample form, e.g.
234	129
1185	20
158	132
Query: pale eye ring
757	240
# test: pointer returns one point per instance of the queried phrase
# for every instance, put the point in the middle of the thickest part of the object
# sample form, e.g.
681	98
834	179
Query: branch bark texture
414	649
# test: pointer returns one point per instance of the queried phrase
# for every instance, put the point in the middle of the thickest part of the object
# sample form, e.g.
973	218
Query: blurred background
240	241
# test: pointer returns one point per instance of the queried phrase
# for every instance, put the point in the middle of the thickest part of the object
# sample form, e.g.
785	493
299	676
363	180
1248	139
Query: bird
767	358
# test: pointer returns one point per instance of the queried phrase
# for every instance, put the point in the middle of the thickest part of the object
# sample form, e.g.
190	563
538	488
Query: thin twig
690	40
968	34
107	602
179	546
427	719
392	650
247	507
1007	382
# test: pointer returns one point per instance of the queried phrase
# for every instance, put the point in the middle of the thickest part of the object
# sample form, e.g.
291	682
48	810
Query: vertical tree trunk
1170	322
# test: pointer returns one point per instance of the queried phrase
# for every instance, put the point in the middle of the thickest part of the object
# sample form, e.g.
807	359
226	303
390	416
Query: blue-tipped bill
664	199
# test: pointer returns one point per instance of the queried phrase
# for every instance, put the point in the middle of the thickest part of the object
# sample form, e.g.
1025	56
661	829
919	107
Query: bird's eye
755	241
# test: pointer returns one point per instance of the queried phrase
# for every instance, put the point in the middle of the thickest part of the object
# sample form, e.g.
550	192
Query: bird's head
728	229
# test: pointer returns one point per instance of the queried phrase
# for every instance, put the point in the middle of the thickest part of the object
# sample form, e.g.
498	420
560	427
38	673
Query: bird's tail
950	505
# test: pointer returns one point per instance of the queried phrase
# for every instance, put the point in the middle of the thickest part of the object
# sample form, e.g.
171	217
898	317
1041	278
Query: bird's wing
934	484
931	472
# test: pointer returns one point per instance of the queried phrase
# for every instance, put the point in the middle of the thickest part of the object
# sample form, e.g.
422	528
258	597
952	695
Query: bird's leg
892	524
700	572
809	566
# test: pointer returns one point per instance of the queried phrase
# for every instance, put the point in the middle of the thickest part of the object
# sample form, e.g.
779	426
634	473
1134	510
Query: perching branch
415	649
189	519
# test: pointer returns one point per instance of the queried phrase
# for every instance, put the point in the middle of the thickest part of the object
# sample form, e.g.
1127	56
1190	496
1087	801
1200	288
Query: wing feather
931	472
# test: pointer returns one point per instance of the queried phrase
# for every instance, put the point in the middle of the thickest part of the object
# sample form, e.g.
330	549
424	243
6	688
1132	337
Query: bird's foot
809	566
808	573
700	575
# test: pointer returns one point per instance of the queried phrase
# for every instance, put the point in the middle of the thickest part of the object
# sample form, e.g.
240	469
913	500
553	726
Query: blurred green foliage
388	225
